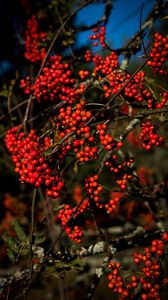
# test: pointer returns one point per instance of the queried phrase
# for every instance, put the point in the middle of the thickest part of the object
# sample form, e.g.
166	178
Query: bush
87	141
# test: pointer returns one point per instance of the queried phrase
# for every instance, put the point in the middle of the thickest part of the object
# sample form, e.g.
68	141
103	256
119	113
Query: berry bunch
120	170
67	216
73	232
87	153
104	66
150	272
152	267
117	284
163	101
159	54
135	90
99	34
149	137
54	84
113	204
83	74
28	155
106	139
73	120
34	49
93	189
115	81
88	56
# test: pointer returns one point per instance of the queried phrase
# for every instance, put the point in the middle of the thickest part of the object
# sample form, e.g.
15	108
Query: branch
56	35
134	44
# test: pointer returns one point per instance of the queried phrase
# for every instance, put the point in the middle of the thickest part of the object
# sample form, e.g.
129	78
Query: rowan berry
34	42
158	54
149	137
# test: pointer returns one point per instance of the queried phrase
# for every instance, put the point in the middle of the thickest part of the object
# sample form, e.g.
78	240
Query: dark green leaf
11	256
19	232
11	243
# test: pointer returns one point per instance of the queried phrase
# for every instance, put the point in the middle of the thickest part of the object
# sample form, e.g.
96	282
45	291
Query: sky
123	23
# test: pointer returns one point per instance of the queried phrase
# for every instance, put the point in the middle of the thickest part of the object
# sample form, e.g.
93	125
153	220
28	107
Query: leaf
162	118
19	232
11	243
74	265
40	238
11	256
75	167
58	207
52	271
67	42
64	43
164	18
4	91
24	251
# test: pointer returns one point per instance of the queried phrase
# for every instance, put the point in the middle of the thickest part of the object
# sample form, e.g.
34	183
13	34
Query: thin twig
31	241
13	109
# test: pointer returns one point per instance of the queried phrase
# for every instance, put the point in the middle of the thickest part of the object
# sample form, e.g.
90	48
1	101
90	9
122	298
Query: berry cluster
104	66
120	170
117	284
106	139
149	137
83	74
34	49
146	278
28	155
159	54
73	232
88	56
135	89
163	101
87	153
54	84
115	81
99	34
93	189
113	204
152	267
67	216
73	120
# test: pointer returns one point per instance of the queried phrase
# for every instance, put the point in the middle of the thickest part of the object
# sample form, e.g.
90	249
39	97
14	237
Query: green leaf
52	271
40	238
58	207
24	251
64	43
11	256
19	232
11	243
74	265
164	18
